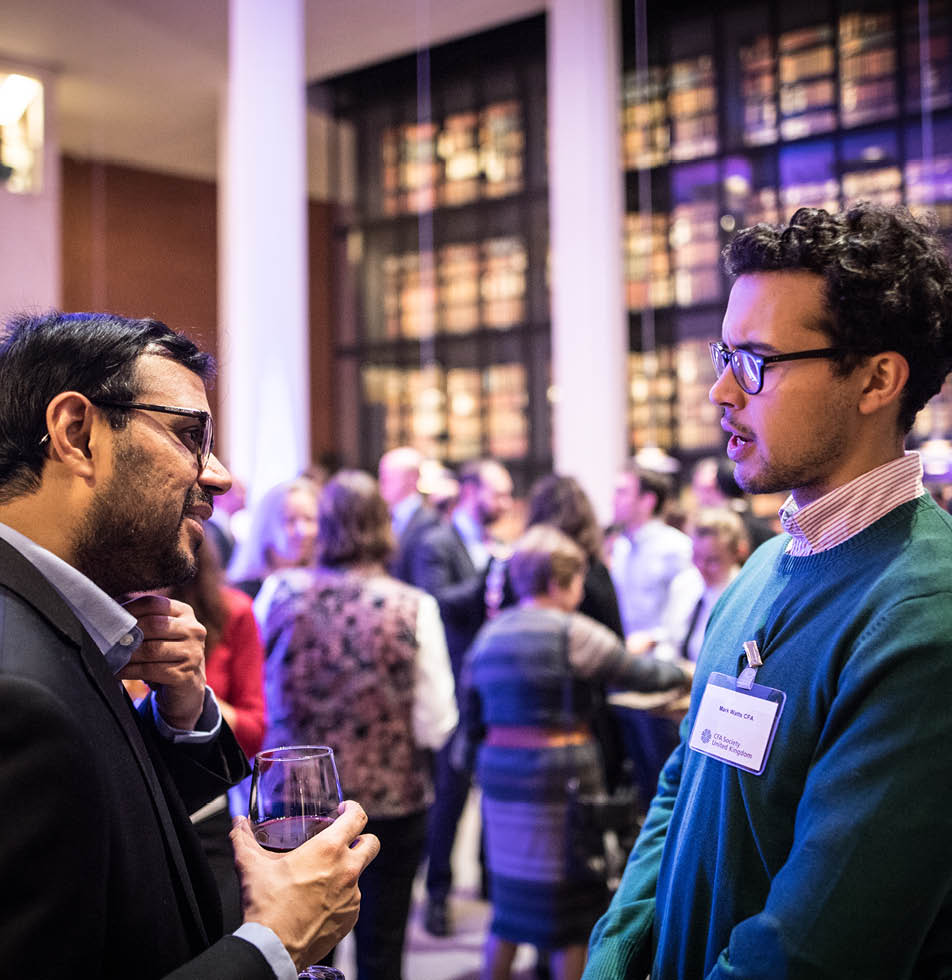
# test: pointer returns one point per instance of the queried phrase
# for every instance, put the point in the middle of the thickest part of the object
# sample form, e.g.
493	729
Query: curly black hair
888	285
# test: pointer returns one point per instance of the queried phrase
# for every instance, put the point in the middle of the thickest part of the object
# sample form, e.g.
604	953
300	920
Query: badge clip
754	660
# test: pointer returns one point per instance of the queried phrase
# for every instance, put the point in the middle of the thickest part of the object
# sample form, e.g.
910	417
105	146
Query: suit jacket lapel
17	574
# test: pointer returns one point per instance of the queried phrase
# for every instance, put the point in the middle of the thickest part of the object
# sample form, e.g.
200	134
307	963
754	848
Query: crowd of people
789	769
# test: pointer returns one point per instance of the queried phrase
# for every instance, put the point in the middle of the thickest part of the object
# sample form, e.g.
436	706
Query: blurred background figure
357	660
282	534
719	543
440	485
647	553
561	502
233	669
704	488
452	563
411	517
228	523
646	556
757	529
528	695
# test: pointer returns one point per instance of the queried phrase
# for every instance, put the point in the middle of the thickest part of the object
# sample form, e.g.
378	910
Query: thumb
242	836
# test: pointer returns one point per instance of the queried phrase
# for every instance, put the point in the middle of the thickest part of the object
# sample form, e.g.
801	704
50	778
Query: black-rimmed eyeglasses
199	439
748	367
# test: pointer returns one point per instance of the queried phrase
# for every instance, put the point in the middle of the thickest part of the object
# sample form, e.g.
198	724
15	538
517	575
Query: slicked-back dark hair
93	353
888	286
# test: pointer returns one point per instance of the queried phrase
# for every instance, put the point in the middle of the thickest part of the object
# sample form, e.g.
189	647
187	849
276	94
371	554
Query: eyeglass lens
746	367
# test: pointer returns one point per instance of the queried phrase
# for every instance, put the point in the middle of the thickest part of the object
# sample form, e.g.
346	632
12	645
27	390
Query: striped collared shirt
851	508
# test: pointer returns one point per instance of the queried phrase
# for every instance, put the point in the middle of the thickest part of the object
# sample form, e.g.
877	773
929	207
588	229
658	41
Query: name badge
737	726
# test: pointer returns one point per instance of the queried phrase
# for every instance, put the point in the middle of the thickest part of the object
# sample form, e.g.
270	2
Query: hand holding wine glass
309	895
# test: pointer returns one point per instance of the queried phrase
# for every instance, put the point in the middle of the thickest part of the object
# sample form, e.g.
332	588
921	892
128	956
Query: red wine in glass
286	833
295	794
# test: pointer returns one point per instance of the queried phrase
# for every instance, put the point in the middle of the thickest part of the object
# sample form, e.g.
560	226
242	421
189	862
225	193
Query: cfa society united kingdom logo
706	736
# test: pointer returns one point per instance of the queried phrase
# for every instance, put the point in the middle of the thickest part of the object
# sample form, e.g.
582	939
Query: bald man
399	477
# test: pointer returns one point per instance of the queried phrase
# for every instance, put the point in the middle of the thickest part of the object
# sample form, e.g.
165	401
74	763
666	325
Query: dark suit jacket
443	568
402	564
102	874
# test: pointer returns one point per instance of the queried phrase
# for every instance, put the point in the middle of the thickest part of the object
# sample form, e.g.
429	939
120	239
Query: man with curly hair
801	829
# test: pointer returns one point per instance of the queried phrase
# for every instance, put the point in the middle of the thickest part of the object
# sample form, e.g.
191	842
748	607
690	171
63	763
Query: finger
167	652
366	847
347	826
145	604
159	627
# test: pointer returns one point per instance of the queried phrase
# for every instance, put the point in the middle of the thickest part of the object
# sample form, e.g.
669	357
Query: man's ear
69	423
885	380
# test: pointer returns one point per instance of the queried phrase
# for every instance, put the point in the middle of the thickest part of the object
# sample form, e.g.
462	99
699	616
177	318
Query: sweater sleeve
864	891
620	945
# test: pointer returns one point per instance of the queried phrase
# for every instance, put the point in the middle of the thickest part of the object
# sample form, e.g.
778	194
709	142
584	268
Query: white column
589	321
263	325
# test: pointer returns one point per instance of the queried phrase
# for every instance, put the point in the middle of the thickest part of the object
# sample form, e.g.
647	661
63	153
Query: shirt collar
112	628
838	515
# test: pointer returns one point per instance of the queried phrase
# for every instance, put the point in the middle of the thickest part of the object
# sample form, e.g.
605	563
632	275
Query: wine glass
320	973
295	794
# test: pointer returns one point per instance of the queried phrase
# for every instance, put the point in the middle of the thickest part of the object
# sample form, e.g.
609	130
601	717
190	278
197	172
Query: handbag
603	825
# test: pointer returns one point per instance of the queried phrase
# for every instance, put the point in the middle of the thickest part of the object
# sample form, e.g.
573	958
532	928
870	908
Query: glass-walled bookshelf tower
443	310
743	113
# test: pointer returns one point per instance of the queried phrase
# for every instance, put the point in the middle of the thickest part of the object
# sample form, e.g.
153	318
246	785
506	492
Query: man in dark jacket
106	478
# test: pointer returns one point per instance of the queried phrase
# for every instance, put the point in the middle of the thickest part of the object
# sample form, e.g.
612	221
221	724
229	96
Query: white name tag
737	726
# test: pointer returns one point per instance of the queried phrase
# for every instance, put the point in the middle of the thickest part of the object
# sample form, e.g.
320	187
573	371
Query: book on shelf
458	148
646	133
698	420
502	148
507	424
648	277
464	414
692	108
458	277
503	281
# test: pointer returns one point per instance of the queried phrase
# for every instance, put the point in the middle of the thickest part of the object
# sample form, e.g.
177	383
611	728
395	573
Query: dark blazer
103	875
443	568
401	566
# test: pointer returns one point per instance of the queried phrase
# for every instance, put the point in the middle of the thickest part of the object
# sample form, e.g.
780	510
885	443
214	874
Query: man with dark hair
452	563
106	477
648	553
801	829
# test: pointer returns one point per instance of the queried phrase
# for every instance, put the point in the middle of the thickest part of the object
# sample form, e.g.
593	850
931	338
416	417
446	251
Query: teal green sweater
836	862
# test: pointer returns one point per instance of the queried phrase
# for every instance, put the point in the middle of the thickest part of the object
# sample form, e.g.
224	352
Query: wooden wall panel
141	243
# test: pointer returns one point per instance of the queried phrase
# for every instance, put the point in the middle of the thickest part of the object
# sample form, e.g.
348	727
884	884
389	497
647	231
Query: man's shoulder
441	536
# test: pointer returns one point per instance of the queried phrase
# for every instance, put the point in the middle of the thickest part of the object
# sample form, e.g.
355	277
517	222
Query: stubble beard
129	542
807	469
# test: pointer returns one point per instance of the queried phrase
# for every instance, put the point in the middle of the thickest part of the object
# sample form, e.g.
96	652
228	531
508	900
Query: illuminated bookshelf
441	256
741	113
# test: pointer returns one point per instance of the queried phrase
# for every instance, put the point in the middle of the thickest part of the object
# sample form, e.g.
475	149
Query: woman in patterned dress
357	660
